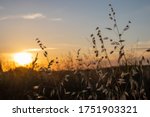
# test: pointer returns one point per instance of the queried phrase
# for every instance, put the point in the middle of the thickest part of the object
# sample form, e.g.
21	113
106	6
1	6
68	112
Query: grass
84	78
120	83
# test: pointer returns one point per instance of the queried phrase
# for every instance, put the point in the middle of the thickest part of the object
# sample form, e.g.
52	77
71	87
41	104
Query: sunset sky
66	25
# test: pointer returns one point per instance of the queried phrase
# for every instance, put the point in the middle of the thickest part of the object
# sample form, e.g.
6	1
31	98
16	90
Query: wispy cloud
8	17
33	16
38	49
66	45
56	19
26	17
4	18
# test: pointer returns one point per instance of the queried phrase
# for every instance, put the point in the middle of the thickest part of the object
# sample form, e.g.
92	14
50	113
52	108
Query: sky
66	25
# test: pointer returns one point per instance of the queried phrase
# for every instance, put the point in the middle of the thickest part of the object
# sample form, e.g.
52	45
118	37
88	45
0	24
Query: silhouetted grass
130	82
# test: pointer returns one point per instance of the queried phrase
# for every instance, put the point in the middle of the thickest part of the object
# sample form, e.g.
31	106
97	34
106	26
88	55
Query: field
117	83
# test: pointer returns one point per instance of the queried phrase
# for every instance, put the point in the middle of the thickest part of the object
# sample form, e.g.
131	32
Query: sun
22	58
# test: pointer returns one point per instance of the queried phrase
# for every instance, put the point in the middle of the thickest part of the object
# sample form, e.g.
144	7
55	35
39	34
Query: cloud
26	17
56	19
8	17
33	16
4	18
38	49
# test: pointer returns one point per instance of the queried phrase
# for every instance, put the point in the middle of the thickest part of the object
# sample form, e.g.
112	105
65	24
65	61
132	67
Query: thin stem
119	35
108	58
106	54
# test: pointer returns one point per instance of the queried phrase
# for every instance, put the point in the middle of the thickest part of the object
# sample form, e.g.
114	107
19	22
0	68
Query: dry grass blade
114	43
123	97
148	50
36	87
142	91
111	52
97	85
121	41
50	63
40	97
73	93
67	93
84	91
110	40
92	35
148	61
124	74
126	28
116	88
34	61
106	38
122	47
126	94
115	47
78	52
109	81
101	88
109	28
120	56
121	81
90	97
97	28
115	25
103	50
143	58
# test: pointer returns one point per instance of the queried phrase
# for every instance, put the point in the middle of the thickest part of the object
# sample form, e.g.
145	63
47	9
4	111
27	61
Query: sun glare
22	58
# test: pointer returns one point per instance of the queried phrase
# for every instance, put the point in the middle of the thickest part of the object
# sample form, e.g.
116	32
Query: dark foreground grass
116	83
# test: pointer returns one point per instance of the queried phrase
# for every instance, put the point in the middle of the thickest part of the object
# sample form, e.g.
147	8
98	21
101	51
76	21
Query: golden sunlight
22	58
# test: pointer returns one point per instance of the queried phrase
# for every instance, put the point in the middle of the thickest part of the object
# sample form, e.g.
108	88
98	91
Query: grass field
130	82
